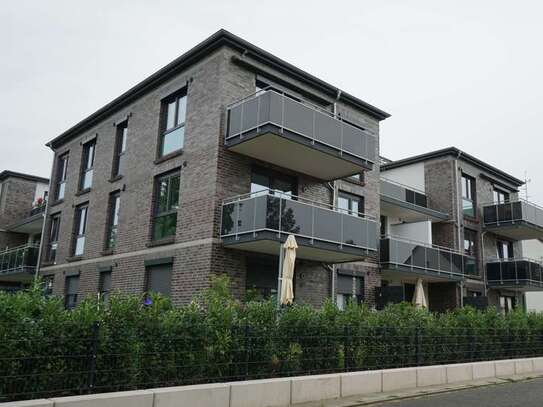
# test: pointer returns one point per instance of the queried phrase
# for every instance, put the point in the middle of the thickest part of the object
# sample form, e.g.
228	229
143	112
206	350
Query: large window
470	242
349	288
261	277
504	249
104	285
263	180
120	149
500	196
80	230
166	206
174	111
113	219
468	195
159	279
87	164
70	291
53	238
62	173
350	204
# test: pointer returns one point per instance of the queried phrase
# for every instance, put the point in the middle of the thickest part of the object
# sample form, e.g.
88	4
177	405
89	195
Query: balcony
515	274
407	203
518	220
19	263
297	135
259	222
414	259
32	223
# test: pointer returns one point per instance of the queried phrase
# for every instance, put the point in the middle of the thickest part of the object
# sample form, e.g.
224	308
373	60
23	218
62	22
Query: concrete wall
409	175
417	231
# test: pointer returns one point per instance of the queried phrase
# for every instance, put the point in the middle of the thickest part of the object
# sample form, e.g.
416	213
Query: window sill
83	192
168	156
74	258
116	178
58	202
161	242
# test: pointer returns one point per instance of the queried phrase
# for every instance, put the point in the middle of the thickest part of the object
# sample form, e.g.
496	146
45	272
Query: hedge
132	343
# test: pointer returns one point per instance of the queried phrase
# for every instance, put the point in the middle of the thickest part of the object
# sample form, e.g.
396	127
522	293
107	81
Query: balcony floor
297	153
409	212
268	242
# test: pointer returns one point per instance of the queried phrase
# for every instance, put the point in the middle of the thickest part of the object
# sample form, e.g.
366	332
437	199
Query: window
350	204
80	229
70	291
159	279
507	304
166	206
104	285
53	238
468	195
500	196
174	111
264	180
87	164
349	288
120	149
470	241
384	225
113	220
48	282
62	172
504	249
261	277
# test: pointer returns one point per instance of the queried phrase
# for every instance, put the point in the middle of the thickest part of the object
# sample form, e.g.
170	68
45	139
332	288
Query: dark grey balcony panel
271	217
412	257
268	125
519	220
406	203
19	263
518	274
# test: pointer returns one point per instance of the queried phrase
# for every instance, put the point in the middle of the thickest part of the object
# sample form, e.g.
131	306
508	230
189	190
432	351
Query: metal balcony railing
411	256
21	258
316	125
516	211
282	214
514	272
37	209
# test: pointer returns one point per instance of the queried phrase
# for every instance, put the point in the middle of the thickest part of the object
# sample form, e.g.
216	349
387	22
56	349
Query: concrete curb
283	392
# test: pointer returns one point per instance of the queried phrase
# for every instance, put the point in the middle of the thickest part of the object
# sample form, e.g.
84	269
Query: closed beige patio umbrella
419	299
287	291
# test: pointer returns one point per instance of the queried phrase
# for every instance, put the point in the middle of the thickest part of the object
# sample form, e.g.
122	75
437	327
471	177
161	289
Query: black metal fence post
247	348
418	345
93	350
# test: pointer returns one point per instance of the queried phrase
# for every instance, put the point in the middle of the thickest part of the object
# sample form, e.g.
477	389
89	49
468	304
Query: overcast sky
462	73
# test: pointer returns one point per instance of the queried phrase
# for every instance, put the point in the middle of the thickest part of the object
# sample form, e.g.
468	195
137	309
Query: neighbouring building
209	164
23	200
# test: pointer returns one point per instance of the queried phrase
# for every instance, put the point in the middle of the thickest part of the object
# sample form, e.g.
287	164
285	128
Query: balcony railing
421	258
403	193
515	215
515	272
308	130
273	215
37	210
22	258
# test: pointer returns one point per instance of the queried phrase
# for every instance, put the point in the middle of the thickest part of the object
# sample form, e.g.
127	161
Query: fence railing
514	272
37	209
102	361
420	257
302	118
512	212
285	214
22	258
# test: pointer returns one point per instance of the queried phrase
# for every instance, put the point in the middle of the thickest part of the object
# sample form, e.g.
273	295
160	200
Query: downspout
42	237
483	271
458	226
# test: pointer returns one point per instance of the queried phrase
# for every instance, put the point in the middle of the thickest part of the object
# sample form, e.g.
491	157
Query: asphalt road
525	394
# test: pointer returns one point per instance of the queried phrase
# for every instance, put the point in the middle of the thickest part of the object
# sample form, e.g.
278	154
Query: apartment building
23	199
478	218
206	167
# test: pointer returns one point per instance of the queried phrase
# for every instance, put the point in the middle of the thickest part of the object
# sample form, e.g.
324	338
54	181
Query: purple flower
148	301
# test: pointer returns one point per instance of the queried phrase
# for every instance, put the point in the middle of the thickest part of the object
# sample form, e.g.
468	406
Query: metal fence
101	360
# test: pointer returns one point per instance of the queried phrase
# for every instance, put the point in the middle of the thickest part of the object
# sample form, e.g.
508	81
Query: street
525	394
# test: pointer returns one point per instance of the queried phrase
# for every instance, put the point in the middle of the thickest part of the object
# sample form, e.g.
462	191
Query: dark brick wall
16	200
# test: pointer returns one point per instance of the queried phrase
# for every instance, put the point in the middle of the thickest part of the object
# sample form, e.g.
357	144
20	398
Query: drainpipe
458	226
44	215
483	262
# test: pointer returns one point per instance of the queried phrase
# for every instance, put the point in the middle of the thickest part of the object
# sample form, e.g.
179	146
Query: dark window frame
61	176
274	176
70	298
121	140
350	197
88	156
54	234
104	291
48	284
500	243
164	114
112	228
469	194
156	213
149	270
499	193
473	245
81	212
